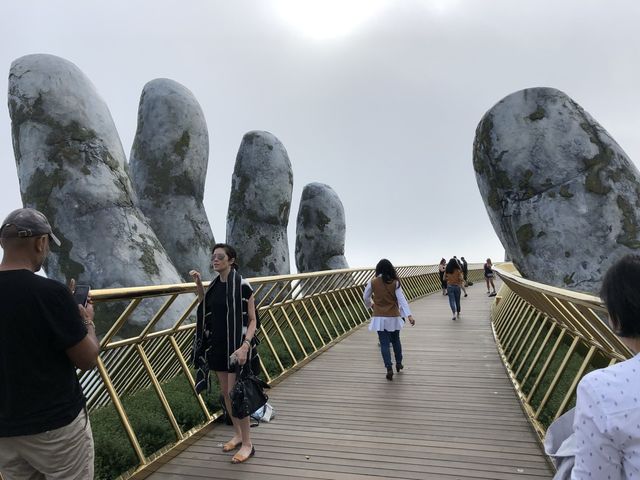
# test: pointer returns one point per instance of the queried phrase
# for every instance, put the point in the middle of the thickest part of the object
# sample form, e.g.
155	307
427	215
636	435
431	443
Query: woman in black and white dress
225	327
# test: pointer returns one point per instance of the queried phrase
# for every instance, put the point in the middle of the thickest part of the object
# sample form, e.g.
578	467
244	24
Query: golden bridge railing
549	338
144	386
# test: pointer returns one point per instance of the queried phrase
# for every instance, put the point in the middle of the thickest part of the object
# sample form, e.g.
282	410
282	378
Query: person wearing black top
488	277
441	268
465	270
44	337
225	328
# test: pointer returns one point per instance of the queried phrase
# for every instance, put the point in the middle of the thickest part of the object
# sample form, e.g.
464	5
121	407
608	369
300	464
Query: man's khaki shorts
65	453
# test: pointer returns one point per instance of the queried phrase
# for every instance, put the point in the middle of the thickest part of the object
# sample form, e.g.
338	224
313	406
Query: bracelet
89	323
248	342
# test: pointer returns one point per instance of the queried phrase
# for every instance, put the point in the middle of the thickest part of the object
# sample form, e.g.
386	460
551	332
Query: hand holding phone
81	294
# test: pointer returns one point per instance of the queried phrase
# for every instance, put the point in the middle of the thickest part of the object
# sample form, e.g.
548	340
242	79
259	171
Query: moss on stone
538	114
564	192
551	194
568	279
541	234
524	235
482	145
148	259
149	244
322	221
594	165
264	249
306	216
567	254
629	235
181	148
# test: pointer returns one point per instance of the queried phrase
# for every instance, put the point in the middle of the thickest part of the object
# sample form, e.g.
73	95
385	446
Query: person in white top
390	306
607	416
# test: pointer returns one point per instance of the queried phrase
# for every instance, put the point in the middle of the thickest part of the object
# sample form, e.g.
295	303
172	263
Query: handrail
549	338
301	314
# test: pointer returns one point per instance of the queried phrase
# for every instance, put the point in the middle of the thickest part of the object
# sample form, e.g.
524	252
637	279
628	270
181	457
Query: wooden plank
451	413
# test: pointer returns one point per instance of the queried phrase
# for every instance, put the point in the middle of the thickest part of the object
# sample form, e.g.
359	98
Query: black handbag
247	395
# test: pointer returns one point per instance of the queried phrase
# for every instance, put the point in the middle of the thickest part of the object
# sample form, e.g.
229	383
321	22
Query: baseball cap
27	222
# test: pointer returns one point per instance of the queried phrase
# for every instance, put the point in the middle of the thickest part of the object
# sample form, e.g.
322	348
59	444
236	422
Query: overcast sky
379	99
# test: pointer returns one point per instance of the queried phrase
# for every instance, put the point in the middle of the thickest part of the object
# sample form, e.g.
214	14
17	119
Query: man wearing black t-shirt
44	337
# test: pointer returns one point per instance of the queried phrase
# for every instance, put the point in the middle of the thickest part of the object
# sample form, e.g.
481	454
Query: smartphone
80	294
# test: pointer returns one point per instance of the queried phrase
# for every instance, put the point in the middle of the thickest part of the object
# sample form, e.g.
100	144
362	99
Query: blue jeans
392	338
454	298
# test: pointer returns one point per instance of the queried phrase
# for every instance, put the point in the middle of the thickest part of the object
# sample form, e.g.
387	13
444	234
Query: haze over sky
377	98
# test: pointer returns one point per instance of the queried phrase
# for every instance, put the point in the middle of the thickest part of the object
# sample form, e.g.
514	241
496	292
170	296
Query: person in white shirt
390	307
607	416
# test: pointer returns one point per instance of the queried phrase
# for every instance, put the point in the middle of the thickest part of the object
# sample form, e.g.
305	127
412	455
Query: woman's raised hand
412	320
196	276
198	281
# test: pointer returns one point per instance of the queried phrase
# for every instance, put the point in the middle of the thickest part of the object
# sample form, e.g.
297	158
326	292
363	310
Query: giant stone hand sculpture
320	230
261	189
562	196
168	166
72	167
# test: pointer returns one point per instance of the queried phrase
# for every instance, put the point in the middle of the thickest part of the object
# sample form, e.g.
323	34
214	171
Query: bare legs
241	426
490	281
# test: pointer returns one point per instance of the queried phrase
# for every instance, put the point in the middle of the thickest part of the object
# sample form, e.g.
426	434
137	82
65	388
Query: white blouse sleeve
405	311
367	295
596	451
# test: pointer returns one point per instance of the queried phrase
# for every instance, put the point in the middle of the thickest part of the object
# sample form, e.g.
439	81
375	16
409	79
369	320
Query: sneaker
389	373
488	292
399	367
493	294
465	295
453	318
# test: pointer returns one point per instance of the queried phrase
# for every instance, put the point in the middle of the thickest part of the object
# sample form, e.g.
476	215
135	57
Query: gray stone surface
259	205
72	167
562	195
320	230
168	167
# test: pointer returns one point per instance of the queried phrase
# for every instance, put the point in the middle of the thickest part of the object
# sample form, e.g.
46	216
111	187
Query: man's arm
84	354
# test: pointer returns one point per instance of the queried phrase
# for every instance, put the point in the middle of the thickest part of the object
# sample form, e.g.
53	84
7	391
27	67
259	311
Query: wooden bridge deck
452	413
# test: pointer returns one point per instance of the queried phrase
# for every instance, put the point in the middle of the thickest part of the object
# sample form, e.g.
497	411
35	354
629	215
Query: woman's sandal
237	458
229	446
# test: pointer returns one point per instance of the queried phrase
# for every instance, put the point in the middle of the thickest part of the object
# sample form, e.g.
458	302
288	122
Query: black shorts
218	360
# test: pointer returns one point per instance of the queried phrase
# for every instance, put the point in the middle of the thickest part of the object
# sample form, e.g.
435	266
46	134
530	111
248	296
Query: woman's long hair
385	268
452	266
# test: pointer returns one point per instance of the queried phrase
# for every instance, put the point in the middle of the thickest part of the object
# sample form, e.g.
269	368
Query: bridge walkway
452	413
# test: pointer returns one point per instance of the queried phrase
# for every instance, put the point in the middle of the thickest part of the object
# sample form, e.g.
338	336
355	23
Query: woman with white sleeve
390	306
607	416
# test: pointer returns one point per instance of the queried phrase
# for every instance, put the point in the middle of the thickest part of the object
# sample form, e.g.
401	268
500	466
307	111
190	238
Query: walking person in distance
453	277
441	268
488	277
390	306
